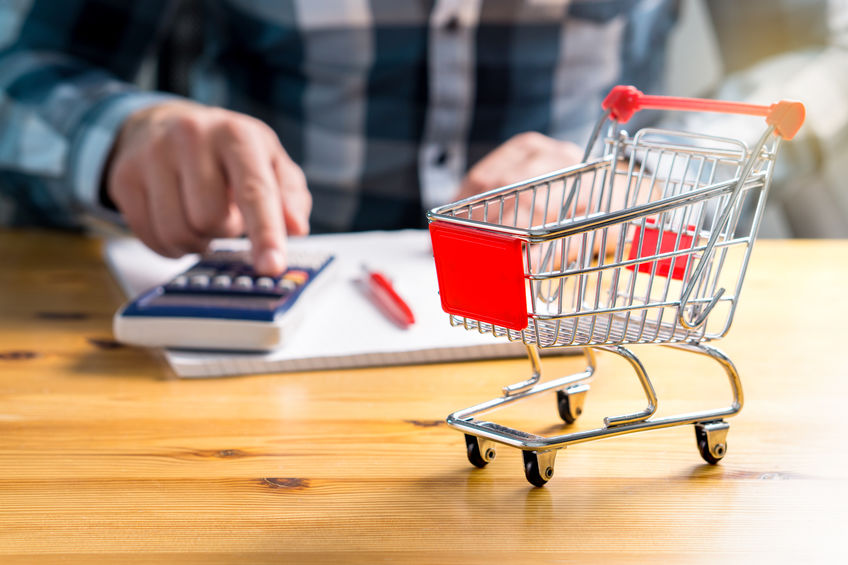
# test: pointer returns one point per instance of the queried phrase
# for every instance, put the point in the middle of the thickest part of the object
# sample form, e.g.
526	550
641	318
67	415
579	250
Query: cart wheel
537	474
712	440
477	456
570	402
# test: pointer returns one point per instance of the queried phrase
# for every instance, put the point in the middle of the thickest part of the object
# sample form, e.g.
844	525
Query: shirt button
452	24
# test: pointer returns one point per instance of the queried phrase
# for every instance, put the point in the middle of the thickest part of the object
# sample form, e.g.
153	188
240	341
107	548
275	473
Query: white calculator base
203	333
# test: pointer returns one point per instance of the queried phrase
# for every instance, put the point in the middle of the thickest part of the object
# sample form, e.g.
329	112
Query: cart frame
679	241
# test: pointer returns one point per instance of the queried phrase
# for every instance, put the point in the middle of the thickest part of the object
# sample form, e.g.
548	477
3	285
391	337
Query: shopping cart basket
647	243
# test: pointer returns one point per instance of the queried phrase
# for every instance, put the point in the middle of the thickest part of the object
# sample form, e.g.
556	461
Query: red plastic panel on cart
481	274
667	240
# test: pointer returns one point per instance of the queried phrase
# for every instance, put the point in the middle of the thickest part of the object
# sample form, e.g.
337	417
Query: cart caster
712	440
480	451
539	466
570	402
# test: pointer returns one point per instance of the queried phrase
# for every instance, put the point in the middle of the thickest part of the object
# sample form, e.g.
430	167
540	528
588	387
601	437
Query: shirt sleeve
66	71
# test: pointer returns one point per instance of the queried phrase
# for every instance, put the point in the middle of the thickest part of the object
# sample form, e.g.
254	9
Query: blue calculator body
220	303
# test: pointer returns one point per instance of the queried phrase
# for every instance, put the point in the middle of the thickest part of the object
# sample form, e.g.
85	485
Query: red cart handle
786	116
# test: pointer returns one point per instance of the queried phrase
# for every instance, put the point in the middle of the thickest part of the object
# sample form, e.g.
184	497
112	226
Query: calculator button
265	283
244	282
286	285
201	270
296	276
200	281
180	282
222	281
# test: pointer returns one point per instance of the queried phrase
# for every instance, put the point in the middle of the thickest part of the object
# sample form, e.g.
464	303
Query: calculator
220	303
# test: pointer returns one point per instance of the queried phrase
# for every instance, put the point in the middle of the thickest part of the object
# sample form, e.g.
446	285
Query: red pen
388	301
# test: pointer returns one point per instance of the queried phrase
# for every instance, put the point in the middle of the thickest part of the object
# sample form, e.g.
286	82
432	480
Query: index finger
248	164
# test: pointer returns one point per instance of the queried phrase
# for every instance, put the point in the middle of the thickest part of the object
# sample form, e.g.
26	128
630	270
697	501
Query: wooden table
105	457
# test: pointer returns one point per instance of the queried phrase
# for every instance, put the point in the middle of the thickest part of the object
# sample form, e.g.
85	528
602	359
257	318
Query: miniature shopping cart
647	243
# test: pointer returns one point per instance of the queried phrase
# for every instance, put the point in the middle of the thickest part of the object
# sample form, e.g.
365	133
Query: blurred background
761	51
757	51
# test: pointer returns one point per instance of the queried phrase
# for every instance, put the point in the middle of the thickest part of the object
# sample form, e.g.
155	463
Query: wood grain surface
105	457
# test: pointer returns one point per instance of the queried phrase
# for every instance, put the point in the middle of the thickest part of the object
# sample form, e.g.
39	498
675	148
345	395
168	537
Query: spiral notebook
343	329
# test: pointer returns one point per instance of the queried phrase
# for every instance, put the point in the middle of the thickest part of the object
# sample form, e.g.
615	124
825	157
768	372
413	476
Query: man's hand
529	155
182	174
522	157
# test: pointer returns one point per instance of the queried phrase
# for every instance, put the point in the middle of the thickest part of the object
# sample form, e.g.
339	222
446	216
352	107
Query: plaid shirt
385	104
